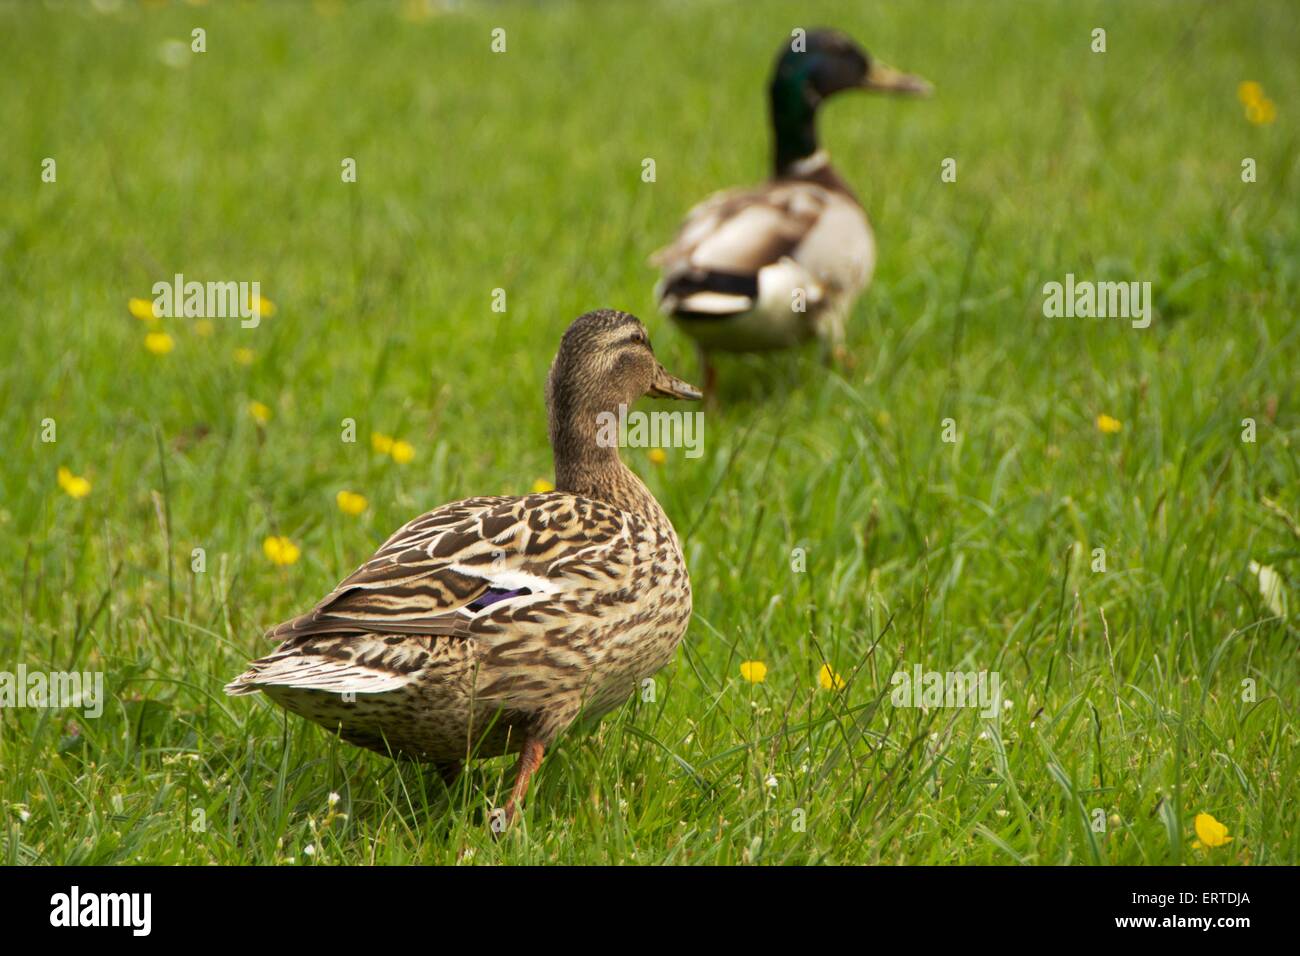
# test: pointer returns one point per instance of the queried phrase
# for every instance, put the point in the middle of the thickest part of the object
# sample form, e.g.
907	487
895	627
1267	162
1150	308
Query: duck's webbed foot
839	356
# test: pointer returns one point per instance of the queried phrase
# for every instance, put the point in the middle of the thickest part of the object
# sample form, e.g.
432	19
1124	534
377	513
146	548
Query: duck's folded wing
438	573
716	265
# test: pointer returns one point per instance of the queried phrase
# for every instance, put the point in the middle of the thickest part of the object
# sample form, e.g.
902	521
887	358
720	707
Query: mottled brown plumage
489	625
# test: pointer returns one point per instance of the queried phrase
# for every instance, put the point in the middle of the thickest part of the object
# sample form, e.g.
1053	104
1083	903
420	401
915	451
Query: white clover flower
174	53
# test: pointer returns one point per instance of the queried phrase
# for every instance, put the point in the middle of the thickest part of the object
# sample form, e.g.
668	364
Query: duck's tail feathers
315	673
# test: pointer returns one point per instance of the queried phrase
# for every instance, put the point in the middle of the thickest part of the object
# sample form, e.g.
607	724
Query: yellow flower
416	11
541	486
399	449
402	451
1260	110
204	327
142	309
753	671
1107	425
74	485
159	343
265	307
1248	91
280	550
261	413
1261	113
244	355
1211	831
657	456
351	503
829	679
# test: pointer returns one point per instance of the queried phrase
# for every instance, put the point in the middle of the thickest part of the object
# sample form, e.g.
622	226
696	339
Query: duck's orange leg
710	375
530	758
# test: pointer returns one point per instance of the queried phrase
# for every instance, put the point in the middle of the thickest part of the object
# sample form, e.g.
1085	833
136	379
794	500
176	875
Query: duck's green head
813	66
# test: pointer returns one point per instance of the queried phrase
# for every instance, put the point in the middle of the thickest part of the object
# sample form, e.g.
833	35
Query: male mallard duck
488	625
764	268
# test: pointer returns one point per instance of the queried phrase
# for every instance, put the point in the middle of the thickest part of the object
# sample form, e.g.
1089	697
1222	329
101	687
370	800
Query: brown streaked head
605	359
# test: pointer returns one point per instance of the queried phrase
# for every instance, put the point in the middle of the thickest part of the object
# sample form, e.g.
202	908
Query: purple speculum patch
493	595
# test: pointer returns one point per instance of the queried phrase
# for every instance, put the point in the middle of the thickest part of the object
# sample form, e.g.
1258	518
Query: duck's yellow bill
883	78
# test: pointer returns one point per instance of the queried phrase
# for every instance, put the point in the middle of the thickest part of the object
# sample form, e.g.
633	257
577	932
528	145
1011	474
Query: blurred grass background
522	171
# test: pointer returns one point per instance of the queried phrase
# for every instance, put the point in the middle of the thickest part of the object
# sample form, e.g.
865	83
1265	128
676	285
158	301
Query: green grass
522	171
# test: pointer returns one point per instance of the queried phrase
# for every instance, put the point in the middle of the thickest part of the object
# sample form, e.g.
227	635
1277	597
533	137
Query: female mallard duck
770	267
488	625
